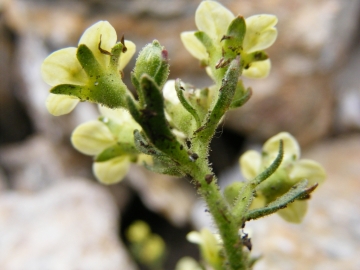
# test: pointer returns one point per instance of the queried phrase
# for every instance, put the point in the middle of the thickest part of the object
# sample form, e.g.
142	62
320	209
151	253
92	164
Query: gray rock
72	225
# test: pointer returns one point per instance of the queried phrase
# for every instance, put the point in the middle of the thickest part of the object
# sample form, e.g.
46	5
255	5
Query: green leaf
185	103
115	151
298	191
226	94
241	95
247	193
272	168
151	118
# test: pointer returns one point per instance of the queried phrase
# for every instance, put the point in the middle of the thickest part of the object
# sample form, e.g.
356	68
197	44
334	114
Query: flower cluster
215	20
64	67
291	171
110	139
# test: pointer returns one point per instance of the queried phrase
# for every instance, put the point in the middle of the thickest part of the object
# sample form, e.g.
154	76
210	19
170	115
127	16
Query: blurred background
54	214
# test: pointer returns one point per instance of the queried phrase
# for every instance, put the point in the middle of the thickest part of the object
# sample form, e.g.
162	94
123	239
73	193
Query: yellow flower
210	246
63	67
291	171
214	19
115	128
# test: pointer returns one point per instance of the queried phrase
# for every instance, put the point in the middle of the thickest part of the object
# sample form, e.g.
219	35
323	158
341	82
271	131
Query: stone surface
72	225
38	163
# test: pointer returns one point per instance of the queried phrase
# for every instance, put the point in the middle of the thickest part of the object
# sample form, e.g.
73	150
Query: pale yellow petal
213	19
194	46
111	171
60	104
210	248
260	32
92	137
62	67
194	237
308	169
169	92
118	115
91	39
258	70
187	263
294	212
250	164
126	57
291	148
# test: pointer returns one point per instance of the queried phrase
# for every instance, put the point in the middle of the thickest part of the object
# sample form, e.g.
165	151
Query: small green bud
153	61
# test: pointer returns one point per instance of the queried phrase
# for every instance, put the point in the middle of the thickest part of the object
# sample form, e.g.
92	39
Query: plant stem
224	220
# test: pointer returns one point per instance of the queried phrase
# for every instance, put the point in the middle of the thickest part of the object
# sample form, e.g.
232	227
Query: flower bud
153	61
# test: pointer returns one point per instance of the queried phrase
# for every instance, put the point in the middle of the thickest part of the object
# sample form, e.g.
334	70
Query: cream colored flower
210	246
115	127
214	19
63	67
291	171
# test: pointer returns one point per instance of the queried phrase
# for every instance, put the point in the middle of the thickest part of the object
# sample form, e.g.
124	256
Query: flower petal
60	104
194	237
187	263
294	212
308	169
250	164
260	32
62	67
118	115
111	171
126	57
258	70
291	148
169	92
92	137
214	19
91	39
194	46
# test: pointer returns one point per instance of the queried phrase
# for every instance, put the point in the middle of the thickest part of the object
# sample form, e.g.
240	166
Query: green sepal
71	90
88	61
206	41
185	103
241	95
234	38
226	94
116	52
298	191
247	193
153	61
256	56
115	151
231	192
107	90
